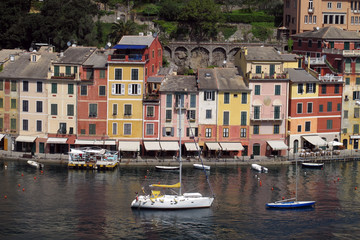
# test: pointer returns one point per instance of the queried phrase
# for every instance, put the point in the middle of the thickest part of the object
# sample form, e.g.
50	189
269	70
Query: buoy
260	183
5	197
272	189
338	179
34	178
42	171
283	198
22	174
23	189
145	176
19	185
355	188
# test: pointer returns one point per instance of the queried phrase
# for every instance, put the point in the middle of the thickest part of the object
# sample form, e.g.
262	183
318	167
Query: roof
76	55
5	54
155	79
97	60
179	83
207	79
136	40
228	79
330	32
267	54
24	68
300	75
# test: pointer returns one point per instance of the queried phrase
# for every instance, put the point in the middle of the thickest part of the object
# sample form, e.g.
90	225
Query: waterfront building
301	16
92	103
173	90
133	60
62	92
23	100
265	69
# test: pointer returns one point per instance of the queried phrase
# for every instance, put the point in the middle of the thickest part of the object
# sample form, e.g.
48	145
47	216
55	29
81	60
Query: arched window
296	146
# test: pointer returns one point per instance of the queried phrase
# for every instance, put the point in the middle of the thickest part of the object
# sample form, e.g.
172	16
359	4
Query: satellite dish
155	34
31	49
69	43
109	44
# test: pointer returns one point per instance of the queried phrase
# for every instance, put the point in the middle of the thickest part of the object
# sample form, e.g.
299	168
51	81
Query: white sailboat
292	202
179	200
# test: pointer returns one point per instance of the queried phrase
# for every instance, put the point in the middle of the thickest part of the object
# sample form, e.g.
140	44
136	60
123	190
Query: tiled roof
5	54
76	55
300	75
207	79
136	40
267	54
331	32
228	79
179	83
97	60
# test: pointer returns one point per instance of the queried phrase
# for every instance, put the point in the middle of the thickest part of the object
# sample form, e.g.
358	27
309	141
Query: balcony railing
316	61
127	57
267	117
267	76
311	10
345	53
63	76
331	78
152	97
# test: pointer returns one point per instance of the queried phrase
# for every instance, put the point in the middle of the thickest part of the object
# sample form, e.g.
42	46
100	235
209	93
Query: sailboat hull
294	204
173	202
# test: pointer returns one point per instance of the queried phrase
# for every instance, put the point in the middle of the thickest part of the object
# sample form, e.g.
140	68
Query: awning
25	139
277	145
129	146
119	46
213	146
231	146
98	142
109	142
315	140
57	140
192	146
152	146
2	136
169	146
355	137
84	142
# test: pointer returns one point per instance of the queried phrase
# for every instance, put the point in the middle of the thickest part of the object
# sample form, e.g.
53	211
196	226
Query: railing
345	53
267	117
331	78
267	76
125	57
151	96
315	61
63	76
311	10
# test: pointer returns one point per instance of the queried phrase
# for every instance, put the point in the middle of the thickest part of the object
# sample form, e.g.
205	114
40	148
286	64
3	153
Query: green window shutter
68	70
243	98
1	102
75	69
347	80
54	88
13	124
357	81
13	103
53	109
243	118
277	89
257	89
56	71
329	106
168	100
356	128
70	110
102	73
321	108
70	88
1	123
1	85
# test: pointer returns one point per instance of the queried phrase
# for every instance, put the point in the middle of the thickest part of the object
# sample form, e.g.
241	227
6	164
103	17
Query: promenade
345	155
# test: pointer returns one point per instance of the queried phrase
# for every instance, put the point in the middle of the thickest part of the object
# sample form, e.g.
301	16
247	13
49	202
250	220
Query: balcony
152	97
266	116
345	53
284	75
128	57
331	78
63	76
316	61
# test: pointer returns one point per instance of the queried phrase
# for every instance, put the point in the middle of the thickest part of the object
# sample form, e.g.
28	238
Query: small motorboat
312	165
291	204
259	168
35	164
167	168
201	166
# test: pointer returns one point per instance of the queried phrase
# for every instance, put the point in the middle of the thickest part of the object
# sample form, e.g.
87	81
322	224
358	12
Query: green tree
202	18
121	28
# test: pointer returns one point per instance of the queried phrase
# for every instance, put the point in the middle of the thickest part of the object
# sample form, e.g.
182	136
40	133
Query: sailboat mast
296	188
180	171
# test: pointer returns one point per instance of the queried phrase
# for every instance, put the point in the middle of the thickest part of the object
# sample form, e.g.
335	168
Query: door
356	143
345	141
256	149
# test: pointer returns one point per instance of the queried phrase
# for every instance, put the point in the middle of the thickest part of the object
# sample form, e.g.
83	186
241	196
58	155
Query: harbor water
59	203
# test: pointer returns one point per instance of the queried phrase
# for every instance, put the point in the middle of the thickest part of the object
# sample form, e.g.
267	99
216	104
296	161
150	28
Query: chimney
245	51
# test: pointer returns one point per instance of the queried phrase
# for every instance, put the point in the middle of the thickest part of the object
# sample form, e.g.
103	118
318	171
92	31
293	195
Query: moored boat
259	168
93	158
35	164
167	168
312	165
290	204
201	166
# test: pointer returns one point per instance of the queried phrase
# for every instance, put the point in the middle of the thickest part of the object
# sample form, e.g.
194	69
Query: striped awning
129	146
213	146
57	140
191	146
169	146
152	146
25	139
315	140
84	142
231	146
277	145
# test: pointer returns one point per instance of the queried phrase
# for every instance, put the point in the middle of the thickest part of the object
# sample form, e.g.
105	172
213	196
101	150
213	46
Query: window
114	128
208	113
179	97
299	108
323	89
92	110
338	107
208	132
356	128
225	132
1	102
307	126
310	87
329	106
150	111
226	118
25	86
192	100
153	68
243	132
348	65
299	42
53	87
243	98
300	88
276	129
306	19
127	128
68	70
149	129
25	124
257	89
102	90
25	106
102	74
39	106
277	89
127	109
118	73
356	112
356	95
329	124
39	87
347	81
38	125
168	114
13	103
118	89
299	128
70	88
1	123
70	110
13	86
75	69
1	85
310	43
92	129
134	74
357	81
235	95
191	115
83	90
309	107
192	132
346	114
134	89
344	130
258	69
256	112
243	118
13	124
168	131
277	112
209	95
54	109
82	131
329	5
256	129
226	98
338	5
168	100
321	108
115	109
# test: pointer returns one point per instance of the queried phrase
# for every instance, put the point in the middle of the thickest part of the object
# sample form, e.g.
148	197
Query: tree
202	18
121	28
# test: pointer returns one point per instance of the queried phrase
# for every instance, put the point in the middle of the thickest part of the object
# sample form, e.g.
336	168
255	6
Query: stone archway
181	57
231	55
218	57
167	53
199	58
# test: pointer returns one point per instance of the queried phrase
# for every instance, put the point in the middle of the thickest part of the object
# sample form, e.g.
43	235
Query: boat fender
175	200
161	200
152	200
